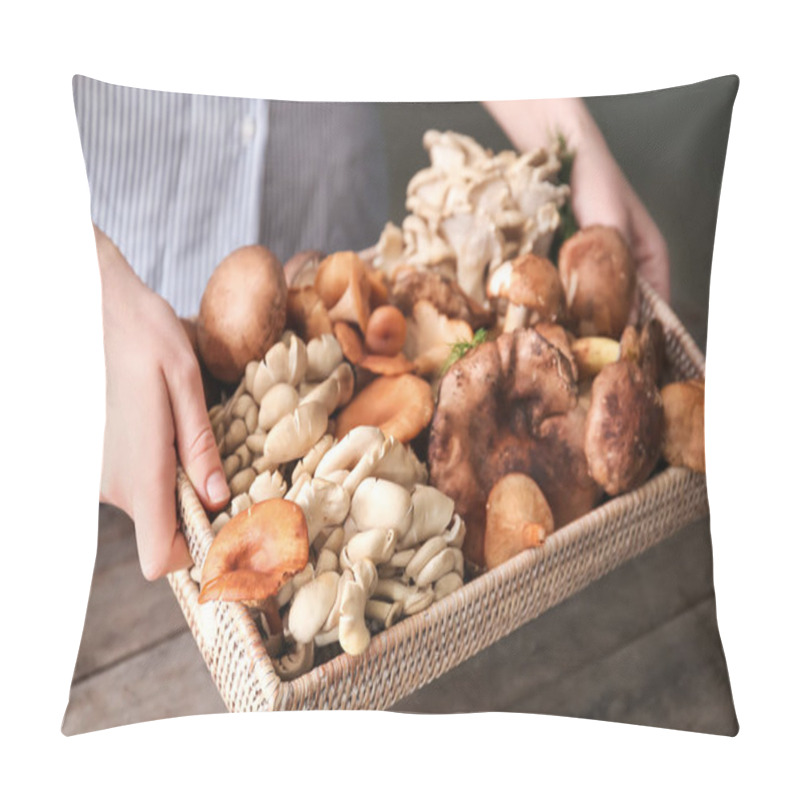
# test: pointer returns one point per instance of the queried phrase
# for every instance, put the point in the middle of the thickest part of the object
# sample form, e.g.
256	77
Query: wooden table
638	646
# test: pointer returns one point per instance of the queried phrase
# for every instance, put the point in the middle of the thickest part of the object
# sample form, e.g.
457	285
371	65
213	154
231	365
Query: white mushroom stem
327	561
354	635
311	606
517	317
235	435
278	401
447	584
383	612
437	567
255	442
324	638
295	488
431	548
456	533
418	601
377	545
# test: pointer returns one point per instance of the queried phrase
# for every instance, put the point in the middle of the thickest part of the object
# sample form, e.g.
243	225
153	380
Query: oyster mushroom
531	286
255	553
518	516
431	337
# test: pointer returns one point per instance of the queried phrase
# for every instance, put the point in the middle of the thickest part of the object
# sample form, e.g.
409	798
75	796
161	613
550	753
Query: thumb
195	442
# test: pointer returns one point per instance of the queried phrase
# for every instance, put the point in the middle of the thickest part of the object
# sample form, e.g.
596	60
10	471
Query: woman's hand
600	192
155	415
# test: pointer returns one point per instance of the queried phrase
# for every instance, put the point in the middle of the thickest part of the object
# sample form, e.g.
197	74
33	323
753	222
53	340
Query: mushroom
401	406
493	404
311	606
598	275
296	433
301	268
431	337
354	636
306	313
624	427
379	503
386	331
343	285
684	424
442	292
255	553
517	517
242	311
298	660
323	356
531	286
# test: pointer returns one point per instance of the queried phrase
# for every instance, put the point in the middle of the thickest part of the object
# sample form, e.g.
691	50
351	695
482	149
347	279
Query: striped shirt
178	181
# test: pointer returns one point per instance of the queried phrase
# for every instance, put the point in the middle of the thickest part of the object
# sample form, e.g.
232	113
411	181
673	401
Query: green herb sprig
460	349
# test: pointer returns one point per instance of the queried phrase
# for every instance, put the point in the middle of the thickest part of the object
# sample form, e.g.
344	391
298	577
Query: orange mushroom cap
400	405
256	553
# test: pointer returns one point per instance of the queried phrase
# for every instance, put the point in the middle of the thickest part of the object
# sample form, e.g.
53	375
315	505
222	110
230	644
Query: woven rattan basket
420	648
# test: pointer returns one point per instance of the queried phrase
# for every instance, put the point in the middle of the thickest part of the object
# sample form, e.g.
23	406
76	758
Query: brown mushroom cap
306	314
442	291
255	553
531	282
684	424
343	284
517	517
624	427
598	275
401	406
242	311
492	405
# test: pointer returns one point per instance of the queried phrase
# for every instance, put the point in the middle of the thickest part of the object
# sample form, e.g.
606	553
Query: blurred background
640	645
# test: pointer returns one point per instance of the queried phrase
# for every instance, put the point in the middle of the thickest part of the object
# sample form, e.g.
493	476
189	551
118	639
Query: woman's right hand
155	415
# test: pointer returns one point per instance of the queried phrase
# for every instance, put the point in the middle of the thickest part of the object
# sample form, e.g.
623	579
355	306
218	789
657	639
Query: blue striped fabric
178	181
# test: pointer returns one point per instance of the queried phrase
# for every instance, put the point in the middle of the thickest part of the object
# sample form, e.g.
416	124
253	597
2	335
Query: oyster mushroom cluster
279	414
472	210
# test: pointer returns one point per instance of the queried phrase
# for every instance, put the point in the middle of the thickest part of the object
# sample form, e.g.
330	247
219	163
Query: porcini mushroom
624	427
255	553
598	275
242	311
517	517
531	286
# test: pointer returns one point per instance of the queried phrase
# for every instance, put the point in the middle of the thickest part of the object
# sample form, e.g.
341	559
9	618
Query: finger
195	442
153	501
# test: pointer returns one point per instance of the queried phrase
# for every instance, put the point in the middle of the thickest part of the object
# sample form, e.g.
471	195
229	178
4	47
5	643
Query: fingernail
217	488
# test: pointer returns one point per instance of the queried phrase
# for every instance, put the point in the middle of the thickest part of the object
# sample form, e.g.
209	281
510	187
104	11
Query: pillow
637	640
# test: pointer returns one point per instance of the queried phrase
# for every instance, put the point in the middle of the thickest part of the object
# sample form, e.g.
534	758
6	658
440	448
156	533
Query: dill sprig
460	349
569	224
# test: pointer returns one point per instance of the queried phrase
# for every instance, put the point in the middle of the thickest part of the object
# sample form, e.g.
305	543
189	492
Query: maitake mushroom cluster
472	210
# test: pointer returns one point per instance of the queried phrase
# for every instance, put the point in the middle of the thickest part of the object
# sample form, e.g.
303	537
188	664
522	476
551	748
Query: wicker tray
420	648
